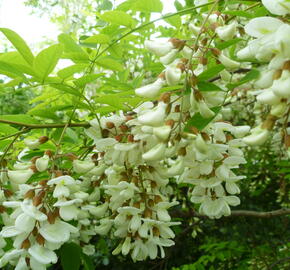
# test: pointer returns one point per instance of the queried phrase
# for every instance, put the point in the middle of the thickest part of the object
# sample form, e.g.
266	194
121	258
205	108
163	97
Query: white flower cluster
123	189
270	46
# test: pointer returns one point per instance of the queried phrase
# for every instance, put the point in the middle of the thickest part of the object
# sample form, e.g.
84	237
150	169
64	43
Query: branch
237	213
36	126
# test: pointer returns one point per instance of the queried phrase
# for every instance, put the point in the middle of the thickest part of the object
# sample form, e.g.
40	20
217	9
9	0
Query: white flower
277	7
42	163
59	232
155	153
42	255
154	117
257	137
169	58
172	74
61	183
227	32
227	62
150	90
31	144
20	176
158	47
83	166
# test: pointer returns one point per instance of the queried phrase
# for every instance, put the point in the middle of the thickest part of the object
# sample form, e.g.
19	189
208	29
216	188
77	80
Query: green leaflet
118	17
199	122
45	62
19	44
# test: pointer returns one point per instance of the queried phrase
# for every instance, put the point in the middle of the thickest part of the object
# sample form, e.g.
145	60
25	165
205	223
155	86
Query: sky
16	16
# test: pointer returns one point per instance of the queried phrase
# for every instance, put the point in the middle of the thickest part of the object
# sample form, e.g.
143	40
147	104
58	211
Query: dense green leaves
19	44
109	63
96	39
118	17
200	122
210	73
207	86
251	75
148	5
70	256
46	61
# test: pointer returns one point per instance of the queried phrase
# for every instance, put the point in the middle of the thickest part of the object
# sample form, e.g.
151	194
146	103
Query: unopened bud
110	125
165	97
269	123
287	140
105	133
40	239
130	138
2	209
215	51
170	122
48	153
147	213
124	128
177	43
29	194
277	75
203	61
71	156
286	65
25	244
43	139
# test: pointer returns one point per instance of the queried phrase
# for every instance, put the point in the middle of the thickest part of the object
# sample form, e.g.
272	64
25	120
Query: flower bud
42	163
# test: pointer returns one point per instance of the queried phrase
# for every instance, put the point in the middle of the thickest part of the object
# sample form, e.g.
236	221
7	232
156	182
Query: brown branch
36	126
237	213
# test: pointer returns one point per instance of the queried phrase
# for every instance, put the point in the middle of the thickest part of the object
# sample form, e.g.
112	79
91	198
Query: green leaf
7	129
208	86
148	6
70	256
46	60
109	63
87	262
4	144
19	44
226	44
20	118
71	49
82	81
67	89
69	71
97	39
250	76
118	17
174	21
199	122
210	73
10	70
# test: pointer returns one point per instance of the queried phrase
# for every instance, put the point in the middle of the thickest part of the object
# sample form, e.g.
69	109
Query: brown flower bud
177	43
130	138
287	140
124	128
277	75
269	123
157	199
8	193
286	65
129	117
43	139
2	209
40	239
193	130
204	41
182	151
215	51
48	153
37	200
33	160
177	108
151	203
43	183
51	218
165	97
214	26
110	125
58	173
33	168
105	133
203	61
25	244
71	156
170	122
147	213
29	194
205	136
156	231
